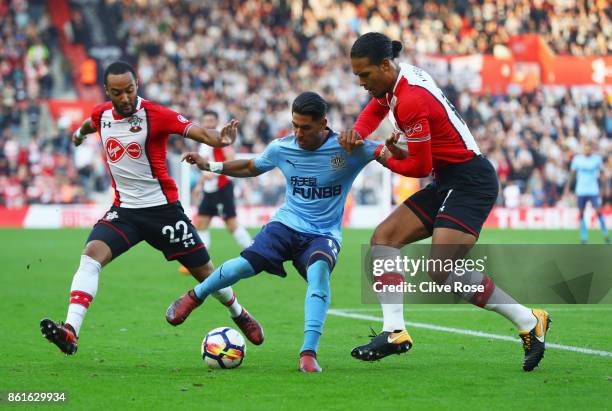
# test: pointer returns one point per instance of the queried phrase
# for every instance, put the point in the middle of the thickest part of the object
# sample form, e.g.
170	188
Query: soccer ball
223	347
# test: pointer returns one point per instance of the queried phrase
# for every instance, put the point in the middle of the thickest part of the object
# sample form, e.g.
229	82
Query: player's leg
596	202
456	229
267	252
202	225
403	226
206	211
225	296
408	223
201	268
532	324
318	298
315	263
582	201
169	230
109	238
241	235
452	244
218	284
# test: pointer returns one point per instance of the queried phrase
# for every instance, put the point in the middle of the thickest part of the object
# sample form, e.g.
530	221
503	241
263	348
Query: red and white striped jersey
135	151
218	181
420	110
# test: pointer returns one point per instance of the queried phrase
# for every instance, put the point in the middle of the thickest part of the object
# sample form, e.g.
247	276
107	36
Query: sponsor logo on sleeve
413	129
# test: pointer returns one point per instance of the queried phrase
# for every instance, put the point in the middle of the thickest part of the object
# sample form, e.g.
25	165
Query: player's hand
350	139
194	158
391	142
78	138
228	133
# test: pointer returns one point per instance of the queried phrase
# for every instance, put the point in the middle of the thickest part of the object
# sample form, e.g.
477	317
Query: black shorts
165	227
219	203
461	197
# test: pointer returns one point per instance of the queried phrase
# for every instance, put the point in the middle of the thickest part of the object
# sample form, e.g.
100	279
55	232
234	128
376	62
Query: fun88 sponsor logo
306	187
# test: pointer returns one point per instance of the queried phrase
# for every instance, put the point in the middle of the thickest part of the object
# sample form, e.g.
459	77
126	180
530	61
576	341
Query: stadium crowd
35	166
249	59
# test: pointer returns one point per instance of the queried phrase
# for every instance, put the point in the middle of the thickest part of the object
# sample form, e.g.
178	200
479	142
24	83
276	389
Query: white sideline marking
349	314
451	309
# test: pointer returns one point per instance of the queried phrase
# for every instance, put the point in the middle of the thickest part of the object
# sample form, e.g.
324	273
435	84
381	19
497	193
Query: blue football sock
316	305
226	274
602	225
583	229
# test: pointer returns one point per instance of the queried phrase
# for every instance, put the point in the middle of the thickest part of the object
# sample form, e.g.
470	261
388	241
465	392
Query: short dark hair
119	67
376	47
311	104
213	113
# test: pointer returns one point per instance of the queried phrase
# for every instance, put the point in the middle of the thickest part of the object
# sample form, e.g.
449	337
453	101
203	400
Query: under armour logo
189	242
106	124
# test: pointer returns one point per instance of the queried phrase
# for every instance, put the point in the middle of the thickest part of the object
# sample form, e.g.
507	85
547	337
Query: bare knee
381	236
201	272
398	234
99	251
231	224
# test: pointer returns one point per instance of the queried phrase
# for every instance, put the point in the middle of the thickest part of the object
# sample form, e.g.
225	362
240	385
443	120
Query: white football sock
83	290
507	306
242	236
499	301
392	303
227	297
205	236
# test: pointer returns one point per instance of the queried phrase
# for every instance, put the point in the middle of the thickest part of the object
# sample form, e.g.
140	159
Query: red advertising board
75	111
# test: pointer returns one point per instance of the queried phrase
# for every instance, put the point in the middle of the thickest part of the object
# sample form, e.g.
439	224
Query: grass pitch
130	358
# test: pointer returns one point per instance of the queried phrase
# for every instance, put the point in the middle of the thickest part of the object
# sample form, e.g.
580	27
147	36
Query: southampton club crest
338	161
135	123
111	215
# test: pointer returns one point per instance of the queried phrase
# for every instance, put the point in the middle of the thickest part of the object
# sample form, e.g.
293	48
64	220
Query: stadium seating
249	59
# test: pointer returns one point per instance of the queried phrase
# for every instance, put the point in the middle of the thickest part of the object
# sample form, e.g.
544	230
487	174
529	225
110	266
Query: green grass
129	357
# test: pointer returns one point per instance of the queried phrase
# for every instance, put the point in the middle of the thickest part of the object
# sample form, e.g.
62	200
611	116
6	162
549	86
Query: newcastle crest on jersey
338	161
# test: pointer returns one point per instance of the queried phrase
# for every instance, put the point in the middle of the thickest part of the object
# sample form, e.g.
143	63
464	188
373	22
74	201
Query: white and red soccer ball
223	347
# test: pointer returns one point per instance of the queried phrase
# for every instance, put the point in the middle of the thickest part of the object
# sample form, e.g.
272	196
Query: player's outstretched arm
234	168
214	138
81	133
